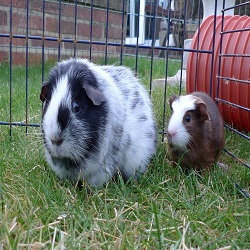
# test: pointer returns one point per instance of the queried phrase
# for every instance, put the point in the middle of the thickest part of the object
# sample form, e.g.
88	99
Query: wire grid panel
40	31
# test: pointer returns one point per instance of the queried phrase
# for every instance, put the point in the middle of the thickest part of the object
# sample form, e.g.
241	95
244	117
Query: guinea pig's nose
57	142
170	136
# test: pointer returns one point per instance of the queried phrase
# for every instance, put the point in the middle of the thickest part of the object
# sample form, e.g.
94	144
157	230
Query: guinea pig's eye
76	106
188	118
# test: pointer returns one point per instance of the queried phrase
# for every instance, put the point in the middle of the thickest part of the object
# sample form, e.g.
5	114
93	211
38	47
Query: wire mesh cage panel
171	45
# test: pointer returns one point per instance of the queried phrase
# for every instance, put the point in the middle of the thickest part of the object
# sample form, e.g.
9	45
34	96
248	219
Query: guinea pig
195	131
97	121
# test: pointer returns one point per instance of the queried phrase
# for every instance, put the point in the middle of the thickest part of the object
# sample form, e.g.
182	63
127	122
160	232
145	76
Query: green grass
166	209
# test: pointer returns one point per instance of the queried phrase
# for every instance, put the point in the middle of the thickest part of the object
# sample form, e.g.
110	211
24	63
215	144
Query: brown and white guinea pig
195	131
96	121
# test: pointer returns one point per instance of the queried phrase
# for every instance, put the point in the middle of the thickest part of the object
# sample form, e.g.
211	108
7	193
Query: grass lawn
166	209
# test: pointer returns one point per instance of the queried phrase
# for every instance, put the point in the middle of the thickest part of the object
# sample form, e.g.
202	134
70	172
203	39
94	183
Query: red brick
115	18
19	3
5	2
36	5
98	31
50	44
3	17
82	46
83	13
4	40
67	45
68	10
99	16
83	30
36	43
96	47
51	24
18	20
67	27
36	22
4	56
35	32
114	33
51	28
18	42
112	49
18	58
35	58
51	7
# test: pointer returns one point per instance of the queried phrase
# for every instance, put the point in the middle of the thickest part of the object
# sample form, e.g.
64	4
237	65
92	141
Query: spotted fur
96	121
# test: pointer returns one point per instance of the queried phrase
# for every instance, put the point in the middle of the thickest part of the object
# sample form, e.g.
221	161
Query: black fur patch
89	118
128	142
63	116
115	149
93	117
118	131
143	118
150	134
126	93
65	162
136	99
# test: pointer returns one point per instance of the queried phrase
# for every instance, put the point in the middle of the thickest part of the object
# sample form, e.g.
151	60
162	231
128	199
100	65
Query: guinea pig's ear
44	91
202	110
172	99
95	95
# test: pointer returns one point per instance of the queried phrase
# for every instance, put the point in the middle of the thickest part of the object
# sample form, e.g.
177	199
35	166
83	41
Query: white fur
99	168
176	129
53	131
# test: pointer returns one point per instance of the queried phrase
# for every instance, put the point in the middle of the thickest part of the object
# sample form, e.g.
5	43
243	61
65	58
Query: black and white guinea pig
96	121
195	131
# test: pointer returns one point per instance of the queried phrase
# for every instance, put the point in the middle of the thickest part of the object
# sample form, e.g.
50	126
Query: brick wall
36	29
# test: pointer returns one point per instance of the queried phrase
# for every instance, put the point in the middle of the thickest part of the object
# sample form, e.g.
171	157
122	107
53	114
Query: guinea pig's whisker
190	144
79	151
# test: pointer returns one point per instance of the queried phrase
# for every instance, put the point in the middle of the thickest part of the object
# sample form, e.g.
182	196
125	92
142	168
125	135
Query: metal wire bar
43	47
27	68
10	93
75	27
232	79
91	30
183	37
80	41
122	34
152	47
165	85
233	104
137	43
237	132
234	6
234	31
59	31
220	51
107	32
213	46
237	158
21	124
234	55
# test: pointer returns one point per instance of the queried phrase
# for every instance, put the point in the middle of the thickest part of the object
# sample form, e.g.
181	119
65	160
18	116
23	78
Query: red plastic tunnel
229	81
